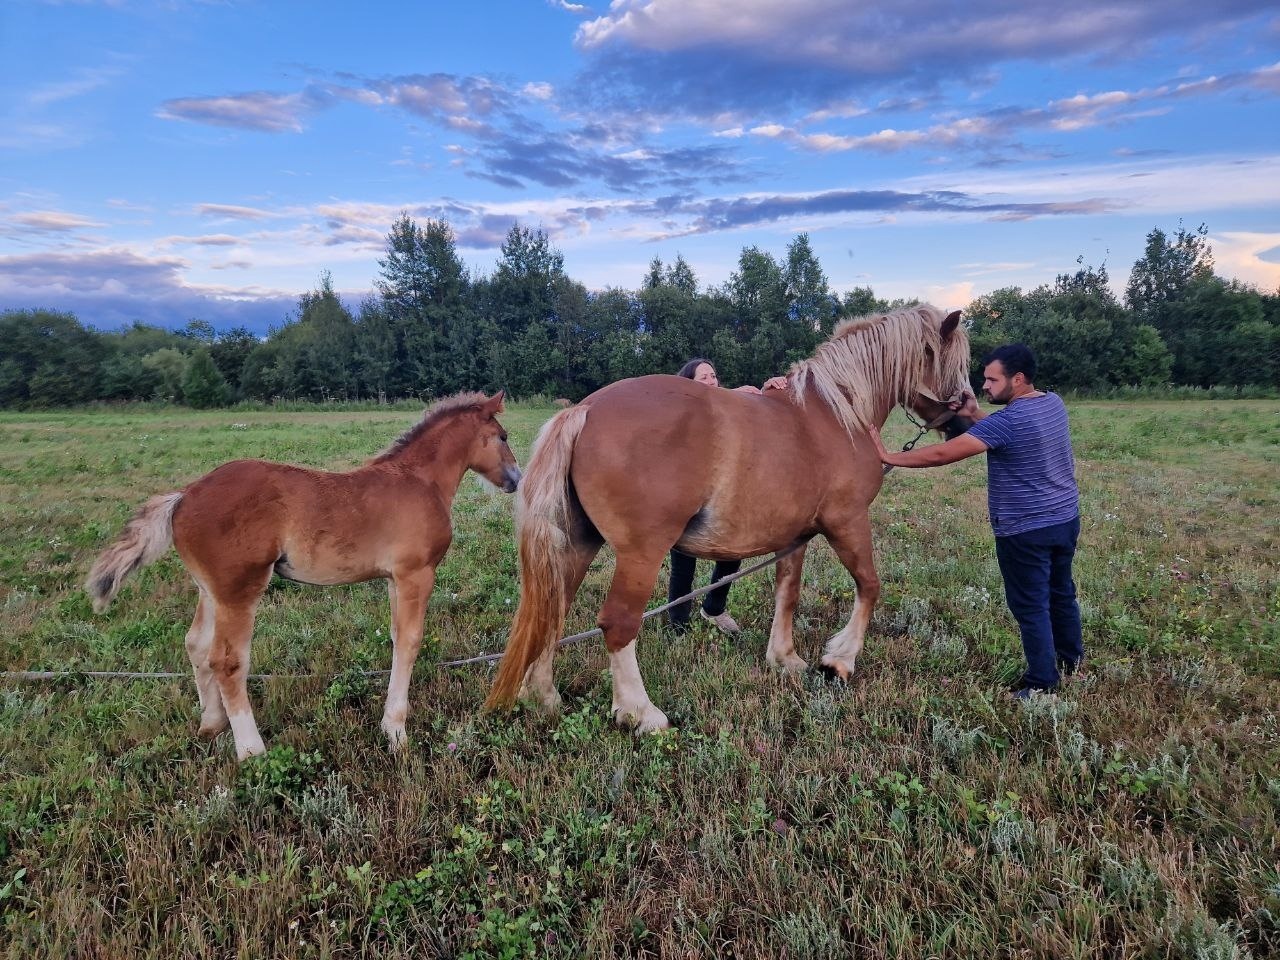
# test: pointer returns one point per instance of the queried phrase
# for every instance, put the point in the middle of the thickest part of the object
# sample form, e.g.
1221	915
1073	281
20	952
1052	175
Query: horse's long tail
144	540
544	526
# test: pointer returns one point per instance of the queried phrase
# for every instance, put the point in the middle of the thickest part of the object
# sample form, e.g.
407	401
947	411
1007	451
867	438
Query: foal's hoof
396	738
791	664
211	728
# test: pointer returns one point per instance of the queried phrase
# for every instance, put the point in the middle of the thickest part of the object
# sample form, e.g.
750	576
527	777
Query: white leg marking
631	704
245	730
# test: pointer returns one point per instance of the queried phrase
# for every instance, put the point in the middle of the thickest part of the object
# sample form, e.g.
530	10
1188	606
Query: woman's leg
682	570
717	599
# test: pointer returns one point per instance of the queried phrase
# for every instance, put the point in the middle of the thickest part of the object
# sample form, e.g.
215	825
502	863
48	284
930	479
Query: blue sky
169	160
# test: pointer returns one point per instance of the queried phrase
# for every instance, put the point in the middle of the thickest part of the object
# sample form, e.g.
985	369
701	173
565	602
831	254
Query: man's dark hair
1014	358
690	368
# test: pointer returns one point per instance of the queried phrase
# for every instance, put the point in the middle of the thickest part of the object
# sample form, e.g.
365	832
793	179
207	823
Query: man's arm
934	455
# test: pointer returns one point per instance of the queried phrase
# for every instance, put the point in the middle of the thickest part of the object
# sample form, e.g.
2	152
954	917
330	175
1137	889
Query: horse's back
724	468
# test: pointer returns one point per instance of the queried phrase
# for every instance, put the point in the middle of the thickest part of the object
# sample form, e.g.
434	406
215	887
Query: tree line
432	328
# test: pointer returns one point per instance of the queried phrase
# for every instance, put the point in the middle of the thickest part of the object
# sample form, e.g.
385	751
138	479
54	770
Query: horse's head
490	454
944	381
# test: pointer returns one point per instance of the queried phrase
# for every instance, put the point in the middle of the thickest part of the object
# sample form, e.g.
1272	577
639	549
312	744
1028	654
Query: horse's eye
503	438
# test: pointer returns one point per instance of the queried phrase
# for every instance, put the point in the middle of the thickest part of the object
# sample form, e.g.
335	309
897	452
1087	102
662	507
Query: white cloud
1238	255
53	221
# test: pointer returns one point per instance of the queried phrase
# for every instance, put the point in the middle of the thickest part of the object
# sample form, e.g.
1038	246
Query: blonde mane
882	356
437	411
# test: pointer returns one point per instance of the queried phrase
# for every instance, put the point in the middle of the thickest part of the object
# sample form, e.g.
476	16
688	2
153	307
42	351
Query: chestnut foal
246	519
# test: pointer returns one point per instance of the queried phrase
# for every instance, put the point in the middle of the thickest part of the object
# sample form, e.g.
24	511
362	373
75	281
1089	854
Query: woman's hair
690	368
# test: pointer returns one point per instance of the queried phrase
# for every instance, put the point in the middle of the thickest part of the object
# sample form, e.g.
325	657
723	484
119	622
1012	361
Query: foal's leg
781	652
853	547
229	661
539	682
410	592
633	581
213	715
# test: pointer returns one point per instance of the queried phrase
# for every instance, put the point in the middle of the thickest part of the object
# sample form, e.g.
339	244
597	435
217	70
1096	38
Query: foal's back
314	526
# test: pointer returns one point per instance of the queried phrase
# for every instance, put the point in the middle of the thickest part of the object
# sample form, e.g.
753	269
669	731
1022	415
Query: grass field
917	812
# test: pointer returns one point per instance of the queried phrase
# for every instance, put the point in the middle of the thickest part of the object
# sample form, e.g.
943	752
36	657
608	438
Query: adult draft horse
660	461
246	519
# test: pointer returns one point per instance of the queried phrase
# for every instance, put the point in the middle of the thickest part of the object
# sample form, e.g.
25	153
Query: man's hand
966	406
776	383
880	447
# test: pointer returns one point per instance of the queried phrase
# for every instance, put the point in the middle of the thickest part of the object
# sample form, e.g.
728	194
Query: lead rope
484	657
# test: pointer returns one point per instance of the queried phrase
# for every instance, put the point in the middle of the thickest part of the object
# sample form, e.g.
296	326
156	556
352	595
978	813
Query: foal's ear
950	323
494	405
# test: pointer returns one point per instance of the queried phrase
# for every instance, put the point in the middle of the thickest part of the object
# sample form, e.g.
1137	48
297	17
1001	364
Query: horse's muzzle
956	426
510	479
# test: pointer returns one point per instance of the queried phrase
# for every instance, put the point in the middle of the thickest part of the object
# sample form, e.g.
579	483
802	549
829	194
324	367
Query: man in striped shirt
1034	507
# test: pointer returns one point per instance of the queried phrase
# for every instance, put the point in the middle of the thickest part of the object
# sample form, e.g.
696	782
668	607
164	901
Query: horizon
179	160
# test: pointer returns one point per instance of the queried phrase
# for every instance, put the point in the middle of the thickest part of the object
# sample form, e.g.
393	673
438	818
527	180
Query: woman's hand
746	388
776	383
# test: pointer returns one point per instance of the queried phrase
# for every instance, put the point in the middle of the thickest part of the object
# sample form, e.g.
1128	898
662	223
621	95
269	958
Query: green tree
170	367
425	293
230	351
49	359
203	385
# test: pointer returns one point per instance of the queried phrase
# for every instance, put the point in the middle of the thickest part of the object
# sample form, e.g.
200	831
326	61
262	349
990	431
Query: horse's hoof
542	700
833	672
649	720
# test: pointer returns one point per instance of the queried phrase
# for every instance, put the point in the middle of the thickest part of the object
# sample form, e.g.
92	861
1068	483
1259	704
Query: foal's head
944	379
490	455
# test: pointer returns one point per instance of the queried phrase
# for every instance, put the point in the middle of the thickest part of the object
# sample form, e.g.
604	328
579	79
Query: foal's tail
144	540
543	524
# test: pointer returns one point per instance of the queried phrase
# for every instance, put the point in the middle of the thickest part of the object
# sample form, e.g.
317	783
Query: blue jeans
1036	567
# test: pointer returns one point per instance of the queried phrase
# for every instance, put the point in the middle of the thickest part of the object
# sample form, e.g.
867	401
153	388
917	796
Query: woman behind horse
247	519
683	566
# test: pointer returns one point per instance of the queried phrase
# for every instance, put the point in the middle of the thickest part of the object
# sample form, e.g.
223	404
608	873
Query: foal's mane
441	409
879	356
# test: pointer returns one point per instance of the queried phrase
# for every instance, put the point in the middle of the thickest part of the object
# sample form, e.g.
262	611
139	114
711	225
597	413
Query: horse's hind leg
233	618
213	715
410	593
781	652
854	550
633	581
539	680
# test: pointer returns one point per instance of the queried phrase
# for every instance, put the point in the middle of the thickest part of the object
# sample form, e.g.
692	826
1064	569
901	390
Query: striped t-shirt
1031	480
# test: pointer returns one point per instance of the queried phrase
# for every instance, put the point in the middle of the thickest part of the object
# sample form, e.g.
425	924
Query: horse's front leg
623	610
409	591
781	652
853	546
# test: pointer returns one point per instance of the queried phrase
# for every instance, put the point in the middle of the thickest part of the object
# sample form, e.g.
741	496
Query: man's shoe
723	622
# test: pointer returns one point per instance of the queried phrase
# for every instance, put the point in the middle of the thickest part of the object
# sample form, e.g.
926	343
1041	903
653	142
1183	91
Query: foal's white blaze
631	703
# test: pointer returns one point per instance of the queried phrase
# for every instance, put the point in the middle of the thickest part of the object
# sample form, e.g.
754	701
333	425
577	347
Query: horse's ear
950	323
494	405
